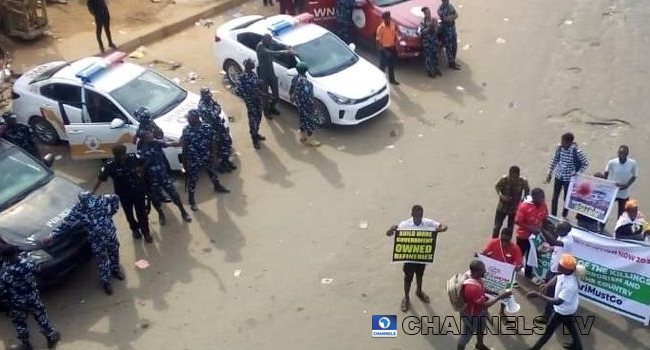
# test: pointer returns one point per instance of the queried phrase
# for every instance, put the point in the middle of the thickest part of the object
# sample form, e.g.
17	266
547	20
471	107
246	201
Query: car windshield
384	3
149	90
326	55
20	175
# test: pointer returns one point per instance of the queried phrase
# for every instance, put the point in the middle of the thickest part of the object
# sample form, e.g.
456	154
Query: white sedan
347	89
90	103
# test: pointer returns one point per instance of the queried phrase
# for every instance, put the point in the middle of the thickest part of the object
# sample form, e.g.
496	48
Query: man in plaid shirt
568	160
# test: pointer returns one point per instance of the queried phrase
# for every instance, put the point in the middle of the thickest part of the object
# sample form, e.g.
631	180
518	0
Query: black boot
437	73
260	137
231	164
274	110
53	340
218	187
118	274
185	215
136	234
147	237
162	218
193	202
454	65
108	289
256	142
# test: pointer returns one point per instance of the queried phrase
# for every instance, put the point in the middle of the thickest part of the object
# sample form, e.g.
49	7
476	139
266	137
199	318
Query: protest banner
591	196
617	272
414	245
498	275
540	261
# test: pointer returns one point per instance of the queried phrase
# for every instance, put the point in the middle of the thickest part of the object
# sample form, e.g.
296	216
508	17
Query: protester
266	51
502	249
562	243
211	114
474	316
129	185
448	16
511	188
95	214
287	7
529	218
344	19
20	294
631	224
99	10
623	171
302	94
19	134
197	141
428	32
565	303
387	40
248	88
417	220
568	160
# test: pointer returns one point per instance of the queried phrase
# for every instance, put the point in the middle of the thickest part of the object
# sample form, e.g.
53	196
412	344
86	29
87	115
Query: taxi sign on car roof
87	73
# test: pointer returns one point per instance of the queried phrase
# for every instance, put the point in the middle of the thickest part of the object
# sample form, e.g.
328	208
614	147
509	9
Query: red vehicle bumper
409	47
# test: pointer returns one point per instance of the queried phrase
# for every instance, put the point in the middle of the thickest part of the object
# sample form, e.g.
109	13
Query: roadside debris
204	23
466	47
363	225
326	280
169	65
138	53
237	273
500	40
142	264
340	148
460	88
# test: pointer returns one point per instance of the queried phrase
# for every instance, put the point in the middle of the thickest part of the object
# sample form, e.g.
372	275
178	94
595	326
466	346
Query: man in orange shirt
530	216
386	40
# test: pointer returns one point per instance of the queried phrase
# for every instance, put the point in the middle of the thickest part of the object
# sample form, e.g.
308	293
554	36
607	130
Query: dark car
33	201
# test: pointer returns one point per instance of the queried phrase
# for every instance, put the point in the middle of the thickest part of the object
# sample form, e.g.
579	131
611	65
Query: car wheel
321	114
44	131
233	71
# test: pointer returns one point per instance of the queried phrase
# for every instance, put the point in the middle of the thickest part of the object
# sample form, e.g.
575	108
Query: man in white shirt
623	171
565	303
416	221
562	243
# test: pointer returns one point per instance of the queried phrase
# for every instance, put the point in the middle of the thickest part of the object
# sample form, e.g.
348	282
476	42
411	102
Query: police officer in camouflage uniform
95	213
197	141
20	293
157	176
211	114
302	95
148	125
248	88
448	16
18	134
129	185
344	19
428	31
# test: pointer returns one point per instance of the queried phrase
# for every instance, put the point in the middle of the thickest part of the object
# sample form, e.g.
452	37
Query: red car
366	16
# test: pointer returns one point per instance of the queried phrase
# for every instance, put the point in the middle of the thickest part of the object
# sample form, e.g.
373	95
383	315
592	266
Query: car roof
108	80
297	34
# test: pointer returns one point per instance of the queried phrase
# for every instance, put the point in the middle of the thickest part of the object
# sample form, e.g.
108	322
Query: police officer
19	134
148	125
266	51
95	213
129	185
19	289
428	31
248	88
99	10
211	114
157	177
197	141
302	94
448	16
344	19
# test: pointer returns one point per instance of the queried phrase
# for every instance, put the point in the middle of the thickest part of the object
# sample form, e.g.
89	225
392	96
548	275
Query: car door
94	137
61	104
324	12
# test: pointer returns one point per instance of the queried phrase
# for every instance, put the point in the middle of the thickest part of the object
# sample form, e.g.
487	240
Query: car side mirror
48	160
352	46
292	72
117	123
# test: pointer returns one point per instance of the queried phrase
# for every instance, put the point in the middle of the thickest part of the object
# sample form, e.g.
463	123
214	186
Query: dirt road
247	273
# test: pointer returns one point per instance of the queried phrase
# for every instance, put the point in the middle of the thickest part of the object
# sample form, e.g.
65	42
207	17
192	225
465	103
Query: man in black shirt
266	51
99	10
130	187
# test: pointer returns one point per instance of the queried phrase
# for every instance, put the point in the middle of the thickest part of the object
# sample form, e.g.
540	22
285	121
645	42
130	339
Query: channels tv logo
384	326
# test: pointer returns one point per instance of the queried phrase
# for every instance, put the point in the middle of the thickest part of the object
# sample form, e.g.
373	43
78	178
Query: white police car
90	103
347	89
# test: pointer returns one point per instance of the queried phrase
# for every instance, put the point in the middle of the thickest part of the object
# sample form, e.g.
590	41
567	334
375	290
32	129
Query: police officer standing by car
448	16
157	177
211	114
302	94
266	51
344	19
428	31
20	293
17	133
197	141
248	88
95	214
129	185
